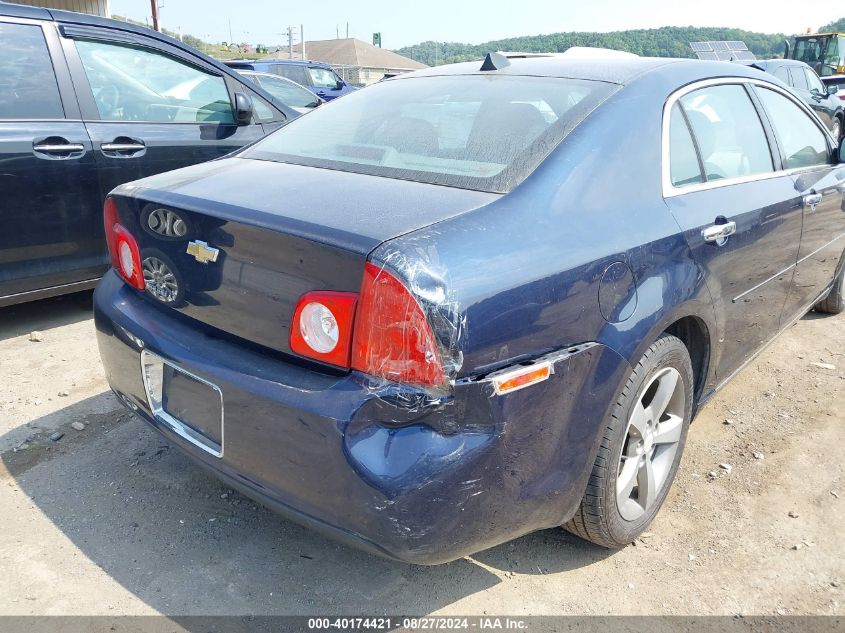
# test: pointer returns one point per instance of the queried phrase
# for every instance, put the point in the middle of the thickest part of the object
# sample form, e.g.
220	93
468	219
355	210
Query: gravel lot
110	520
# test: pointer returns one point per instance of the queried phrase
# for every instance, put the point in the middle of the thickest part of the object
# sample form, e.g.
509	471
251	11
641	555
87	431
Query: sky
472	21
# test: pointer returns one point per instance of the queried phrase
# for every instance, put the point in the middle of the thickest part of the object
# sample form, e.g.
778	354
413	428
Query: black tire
599	519
834	302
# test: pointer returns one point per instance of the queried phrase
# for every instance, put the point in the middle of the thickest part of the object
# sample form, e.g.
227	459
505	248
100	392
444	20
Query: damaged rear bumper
382	467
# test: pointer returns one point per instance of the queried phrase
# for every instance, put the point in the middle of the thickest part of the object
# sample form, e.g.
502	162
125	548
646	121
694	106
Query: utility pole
154	6
231	41
290	42
302	39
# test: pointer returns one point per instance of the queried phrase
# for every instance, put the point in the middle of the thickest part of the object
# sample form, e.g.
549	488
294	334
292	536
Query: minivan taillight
393	339
123	247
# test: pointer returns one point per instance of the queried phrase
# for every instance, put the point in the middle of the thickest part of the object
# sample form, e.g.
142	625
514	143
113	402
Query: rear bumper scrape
462	473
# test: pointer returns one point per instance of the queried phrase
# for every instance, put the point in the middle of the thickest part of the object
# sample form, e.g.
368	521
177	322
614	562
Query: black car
86	104
806	83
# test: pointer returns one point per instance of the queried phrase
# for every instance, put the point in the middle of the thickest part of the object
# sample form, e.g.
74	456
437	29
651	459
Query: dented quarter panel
469	472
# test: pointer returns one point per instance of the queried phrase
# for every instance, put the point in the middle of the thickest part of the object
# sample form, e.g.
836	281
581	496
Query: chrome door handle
812	200
58	150
128	148
52	149
718	232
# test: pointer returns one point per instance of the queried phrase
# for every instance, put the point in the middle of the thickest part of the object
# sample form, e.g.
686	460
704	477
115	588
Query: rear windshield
470	131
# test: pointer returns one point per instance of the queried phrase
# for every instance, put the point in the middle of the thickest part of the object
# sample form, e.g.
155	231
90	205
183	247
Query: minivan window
684	168
469	131
801	140
293	72
728	131
28	88
139	84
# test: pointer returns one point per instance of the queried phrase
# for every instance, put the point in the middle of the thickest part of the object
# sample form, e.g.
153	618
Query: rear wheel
641	448
834	303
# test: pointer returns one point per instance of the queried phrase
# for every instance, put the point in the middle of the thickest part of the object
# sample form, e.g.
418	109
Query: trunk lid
235	243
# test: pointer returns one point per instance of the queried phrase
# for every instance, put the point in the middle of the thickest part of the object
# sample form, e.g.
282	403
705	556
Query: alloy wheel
654	430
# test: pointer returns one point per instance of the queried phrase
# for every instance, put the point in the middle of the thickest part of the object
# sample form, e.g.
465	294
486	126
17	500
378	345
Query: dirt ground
109	520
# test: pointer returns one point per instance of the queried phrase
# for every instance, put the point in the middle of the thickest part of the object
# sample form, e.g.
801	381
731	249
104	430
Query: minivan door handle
123	147
57	148
719	232
812	200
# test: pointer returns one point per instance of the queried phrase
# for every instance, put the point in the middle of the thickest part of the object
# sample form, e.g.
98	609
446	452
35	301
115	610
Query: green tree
668	41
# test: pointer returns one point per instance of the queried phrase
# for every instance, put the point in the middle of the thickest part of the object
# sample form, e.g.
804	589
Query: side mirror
832	90
243	109
840	154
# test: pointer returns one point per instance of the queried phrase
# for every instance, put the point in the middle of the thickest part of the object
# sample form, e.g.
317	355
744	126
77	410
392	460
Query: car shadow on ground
185	544
45	314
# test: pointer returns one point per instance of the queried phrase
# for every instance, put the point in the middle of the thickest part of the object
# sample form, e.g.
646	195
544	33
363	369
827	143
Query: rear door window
292	72
684	167
131	83
802	141
728	132
28	88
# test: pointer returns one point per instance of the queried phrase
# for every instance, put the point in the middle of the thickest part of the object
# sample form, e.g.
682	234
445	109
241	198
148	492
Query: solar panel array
733	50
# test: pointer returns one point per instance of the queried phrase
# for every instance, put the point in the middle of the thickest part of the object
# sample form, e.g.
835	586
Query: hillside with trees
837	26
667	41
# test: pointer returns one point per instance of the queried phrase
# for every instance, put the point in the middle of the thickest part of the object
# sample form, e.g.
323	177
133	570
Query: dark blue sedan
476	300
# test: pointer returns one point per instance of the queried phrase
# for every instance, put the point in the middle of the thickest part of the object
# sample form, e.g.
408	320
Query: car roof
771	64
622	70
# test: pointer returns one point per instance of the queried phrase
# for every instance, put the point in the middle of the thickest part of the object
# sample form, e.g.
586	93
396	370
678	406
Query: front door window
130	83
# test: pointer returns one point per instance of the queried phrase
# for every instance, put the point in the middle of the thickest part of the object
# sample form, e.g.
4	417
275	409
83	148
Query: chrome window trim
670	190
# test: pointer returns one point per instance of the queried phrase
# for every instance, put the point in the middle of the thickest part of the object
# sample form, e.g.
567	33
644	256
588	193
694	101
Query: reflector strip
522	377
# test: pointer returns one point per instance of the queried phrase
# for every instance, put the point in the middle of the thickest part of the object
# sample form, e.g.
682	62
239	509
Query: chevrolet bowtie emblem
202	252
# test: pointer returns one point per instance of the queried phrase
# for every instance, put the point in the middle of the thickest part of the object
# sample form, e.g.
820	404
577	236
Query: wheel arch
694	323
693	332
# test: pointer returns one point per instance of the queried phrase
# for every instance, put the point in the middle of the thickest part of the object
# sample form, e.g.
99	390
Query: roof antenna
495	61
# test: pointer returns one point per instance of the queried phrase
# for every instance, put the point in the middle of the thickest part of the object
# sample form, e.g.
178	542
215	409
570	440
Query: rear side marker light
521	377
322	326
123	247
